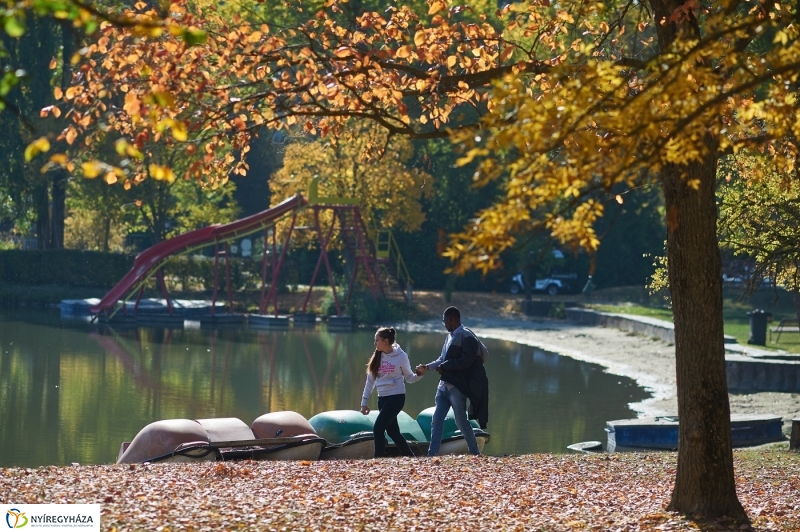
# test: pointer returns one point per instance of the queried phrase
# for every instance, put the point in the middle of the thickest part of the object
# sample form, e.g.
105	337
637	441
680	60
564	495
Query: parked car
552	284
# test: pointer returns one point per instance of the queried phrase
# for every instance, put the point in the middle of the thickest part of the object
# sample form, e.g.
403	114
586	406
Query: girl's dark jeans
389	407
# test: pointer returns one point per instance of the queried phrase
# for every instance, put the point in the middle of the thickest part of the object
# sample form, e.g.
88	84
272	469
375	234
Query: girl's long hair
374	364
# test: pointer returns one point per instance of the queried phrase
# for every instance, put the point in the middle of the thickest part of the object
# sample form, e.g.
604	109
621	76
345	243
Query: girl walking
386	369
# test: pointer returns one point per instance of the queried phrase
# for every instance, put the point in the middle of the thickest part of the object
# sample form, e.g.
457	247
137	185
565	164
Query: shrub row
68	267
64	267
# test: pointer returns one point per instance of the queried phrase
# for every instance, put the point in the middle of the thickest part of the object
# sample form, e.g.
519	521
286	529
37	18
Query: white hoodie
394	366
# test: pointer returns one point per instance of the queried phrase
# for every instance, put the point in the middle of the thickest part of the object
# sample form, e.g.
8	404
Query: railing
386	249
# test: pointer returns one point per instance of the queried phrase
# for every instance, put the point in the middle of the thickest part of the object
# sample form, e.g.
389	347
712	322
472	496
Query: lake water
72	392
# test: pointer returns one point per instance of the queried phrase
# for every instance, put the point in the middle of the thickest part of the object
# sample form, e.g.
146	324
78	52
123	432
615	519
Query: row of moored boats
338	434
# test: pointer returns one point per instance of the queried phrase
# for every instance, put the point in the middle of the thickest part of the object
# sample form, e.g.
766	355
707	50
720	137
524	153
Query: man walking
462	377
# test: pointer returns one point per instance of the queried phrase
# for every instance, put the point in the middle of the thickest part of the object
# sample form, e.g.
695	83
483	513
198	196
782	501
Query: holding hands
421	369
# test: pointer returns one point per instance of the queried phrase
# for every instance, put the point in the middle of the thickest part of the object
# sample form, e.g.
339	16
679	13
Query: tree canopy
212	98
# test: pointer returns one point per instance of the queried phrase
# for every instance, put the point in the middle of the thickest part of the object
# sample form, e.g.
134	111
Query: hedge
68	267
63	267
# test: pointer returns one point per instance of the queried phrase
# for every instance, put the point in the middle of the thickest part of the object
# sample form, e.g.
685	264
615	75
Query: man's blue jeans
445	399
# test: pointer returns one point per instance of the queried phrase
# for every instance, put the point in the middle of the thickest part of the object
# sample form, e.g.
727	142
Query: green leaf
14	27
7	82
194	37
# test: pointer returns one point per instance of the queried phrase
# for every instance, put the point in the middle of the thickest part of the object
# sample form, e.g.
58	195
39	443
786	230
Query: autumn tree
387	189
759	217
586	97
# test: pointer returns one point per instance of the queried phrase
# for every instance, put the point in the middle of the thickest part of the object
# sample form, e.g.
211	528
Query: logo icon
17	516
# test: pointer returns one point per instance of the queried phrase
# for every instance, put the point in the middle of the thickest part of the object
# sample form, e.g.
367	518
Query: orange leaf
71	135
132	104
436	6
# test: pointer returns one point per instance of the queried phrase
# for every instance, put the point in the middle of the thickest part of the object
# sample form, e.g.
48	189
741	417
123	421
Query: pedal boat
348	434
274	436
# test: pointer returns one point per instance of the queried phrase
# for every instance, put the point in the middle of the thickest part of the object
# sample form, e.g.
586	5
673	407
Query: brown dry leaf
532	492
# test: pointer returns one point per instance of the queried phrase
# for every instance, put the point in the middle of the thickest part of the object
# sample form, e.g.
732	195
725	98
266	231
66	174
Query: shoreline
648	361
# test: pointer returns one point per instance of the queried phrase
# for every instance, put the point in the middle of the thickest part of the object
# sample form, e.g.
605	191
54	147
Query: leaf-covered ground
532	492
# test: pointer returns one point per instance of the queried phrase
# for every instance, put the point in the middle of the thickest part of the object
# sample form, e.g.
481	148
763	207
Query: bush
387	312
68	267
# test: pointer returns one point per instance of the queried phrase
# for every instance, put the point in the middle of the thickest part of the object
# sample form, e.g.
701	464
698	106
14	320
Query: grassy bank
626	492
735	308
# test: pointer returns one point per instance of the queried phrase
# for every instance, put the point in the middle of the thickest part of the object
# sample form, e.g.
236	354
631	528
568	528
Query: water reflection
72	392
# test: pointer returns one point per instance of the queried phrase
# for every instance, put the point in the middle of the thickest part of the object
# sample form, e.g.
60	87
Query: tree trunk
41	201
796	301
704	484
106	233
60	176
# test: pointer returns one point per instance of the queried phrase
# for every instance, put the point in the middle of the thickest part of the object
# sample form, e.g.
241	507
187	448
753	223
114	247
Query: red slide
150	259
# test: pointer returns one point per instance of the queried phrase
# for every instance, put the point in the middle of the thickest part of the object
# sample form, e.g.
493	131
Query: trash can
758	327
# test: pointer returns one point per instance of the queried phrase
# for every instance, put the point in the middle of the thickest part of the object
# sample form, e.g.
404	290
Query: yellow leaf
419	38
404	51
179	131
451	61
110	178
58	93
36	147
162	173
58	158
91	169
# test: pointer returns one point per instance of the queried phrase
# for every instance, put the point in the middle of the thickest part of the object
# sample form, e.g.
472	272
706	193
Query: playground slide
150	259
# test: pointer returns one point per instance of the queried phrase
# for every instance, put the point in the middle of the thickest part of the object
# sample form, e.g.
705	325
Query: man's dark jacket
463	368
